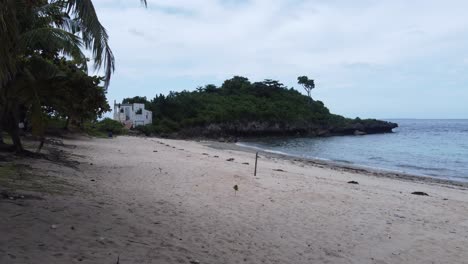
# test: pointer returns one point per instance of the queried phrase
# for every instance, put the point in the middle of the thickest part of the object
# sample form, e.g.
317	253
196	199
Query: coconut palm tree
40	27
80	17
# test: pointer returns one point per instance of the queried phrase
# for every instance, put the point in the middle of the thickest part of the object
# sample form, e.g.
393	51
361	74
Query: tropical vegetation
43	67
240	107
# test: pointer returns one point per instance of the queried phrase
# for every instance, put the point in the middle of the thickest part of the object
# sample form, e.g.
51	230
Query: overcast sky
369	58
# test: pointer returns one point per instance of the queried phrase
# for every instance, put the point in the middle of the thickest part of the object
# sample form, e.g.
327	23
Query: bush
148	130
110	125
164	126
103	127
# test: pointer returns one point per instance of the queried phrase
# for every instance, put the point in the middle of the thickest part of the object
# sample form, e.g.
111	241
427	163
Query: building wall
131	113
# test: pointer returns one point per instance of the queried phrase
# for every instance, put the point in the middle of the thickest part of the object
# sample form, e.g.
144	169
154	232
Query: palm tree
29	27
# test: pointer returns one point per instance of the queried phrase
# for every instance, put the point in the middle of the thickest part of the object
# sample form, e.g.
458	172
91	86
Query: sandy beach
148	200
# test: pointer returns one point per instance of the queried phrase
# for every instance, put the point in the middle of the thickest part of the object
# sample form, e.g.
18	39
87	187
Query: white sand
179	206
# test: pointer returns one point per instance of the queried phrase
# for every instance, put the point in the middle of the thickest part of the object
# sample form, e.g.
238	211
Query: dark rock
420	193
229	131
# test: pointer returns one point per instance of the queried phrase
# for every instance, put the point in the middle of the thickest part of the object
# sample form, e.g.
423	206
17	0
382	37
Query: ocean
434	148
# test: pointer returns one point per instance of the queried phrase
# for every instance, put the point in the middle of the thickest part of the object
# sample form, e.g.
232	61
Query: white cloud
333	41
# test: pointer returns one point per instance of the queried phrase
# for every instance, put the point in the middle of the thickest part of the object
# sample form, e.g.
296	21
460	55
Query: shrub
148	130
109	125
103	127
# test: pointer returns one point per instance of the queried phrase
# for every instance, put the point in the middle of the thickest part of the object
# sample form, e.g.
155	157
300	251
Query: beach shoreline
155	200
340	166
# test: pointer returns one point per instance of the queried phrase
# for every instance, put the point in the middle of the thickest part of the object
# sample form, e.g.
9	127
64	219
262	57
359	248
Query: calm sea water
436	148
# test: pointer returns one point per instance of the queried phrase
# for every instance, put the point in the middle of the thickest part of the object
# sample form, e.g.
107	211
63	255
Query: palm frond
94	35
53	39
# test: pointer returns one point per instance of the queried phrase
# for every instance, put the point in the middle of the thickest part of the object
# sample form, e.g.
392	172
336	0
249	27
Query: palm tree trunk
67	123
9	120
15	137
12	122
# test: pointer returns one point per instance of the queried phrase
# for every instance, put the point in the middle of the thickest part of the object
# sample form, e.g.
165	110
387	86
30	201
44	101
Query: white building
132	115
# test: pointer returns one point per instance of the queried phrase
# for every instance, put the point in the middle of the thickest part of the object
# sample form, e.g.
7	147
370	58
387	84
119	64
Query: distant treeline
243	108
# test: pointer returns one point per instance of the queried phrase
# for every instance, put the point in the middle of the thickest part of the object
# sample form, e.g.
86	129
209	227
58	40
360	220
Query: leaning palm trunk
9	106
10	123
21	33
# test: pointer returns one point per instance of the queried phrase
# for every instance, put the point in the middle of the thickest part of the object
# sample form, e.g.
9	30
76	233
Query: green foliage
38	32
307	83
160	127
110	125
103	127
269	105
135	100
7	139
73	94
237	100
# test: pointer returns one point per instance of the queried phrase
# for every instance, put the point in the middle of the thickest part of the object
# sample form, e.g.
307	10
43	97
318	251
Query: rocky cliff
258	128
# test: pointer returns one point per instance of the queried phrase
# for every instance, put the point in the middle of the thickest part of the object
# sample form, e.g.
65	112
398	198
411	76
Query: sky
369	58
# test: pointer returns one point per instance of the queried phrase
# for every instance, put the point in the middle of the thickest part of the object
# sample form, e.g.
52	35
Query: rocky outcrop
256	129
370	126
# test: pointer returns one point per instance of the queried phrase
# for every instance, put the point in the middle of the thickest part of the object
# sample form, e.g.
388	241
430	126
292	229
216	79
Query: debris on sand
280	170
18	196
230	159
353	182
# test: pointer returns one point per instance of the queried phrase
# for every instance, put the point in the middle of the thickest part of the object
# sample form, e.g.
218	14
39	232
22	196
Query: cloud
136	32
340	43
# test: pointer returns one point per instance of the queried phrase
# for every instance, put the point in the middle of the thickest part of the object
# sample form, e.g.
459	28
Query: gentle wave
408	166
263	149
247	145
435	148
